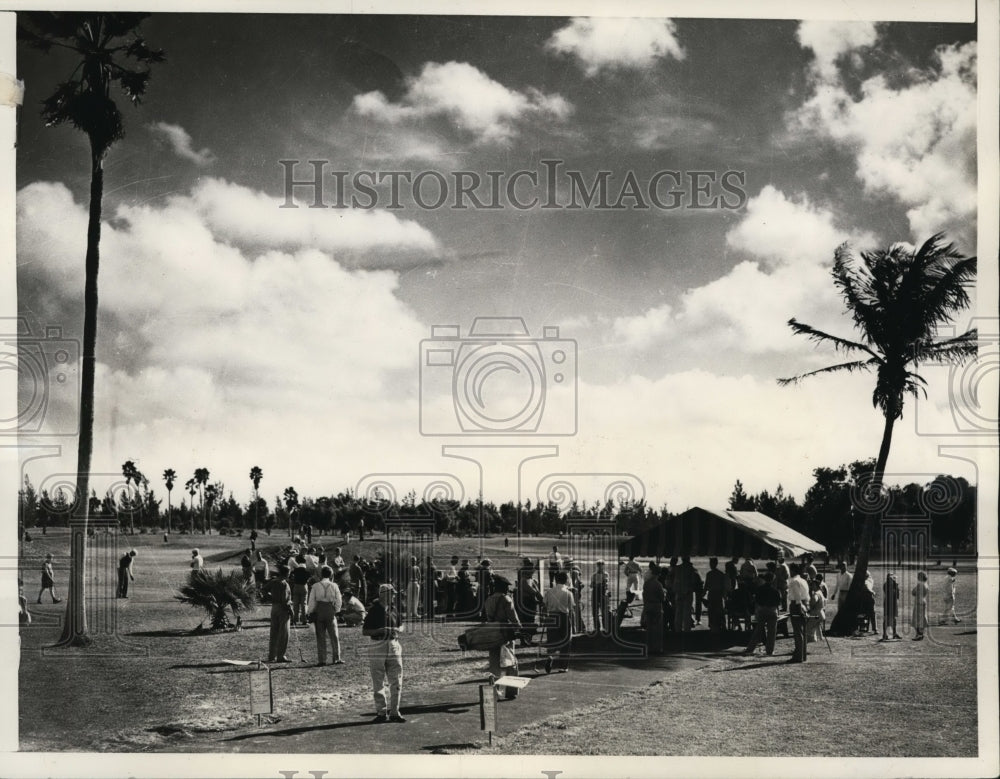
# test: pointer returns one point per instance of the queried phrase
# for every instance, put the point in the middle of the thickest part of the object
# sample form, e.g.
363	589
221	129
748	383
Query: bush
215	592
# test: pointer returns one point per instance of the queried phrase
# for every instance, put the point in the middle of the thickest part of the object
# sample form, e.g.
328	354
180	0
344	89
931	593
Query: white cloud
609	43
180	141
244	215
640	331
830	41
781	231
467	96
211	355
747	309
915	142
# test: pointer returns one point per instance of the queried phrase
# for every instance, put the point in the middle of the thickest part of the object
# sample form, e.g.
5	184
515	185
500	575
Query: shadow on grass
443	708
202	665
442	749
754	666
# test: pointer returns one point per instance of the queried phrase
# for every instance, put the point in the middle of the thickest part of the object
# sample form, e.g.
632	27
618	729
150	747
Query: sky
236	332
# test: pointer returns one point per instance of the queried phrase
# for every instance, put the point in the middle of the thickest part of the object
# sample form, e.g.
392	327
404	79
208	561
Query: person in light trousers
325	602
385	655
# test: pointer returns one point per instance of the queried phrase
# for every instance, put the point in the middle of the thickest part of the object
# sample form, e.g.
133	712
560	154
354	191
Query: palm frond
850	367
953	350
818	336
855	288
949	292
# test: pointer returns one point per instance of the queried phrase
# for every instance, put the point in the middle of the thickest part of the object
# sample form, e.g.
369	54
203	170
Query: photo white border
226	765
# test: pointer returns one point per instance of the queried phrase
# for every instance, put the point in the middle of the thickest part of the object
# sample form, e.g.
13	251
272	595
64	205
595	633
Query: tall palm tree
897	297
169	476
191	486
212	493
256	474
201	479
140	481
128	472
108	49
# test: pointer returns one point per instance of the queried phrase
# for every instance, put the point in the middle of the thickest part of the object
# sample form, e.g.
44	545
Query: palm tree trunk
845	621
75	628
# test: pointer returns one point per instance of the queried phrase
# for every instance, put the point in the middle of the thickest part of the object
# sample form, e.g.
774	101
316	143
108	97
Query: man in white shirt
842	585
197	561
354	610
325	602
559	604
451	586
950	585
798	612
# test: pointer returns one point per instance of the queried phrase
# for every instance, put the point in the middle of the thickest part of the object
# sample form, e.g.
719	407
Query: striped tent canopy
703	533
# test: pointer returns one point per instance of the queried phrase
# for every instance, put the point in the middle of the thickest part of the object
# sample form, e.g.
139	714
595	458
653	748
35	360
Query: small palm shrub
217	591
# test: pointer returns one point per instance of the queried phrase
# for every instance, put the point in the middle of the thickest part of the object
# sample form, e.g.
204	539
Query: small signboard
517	682
487	709
261	697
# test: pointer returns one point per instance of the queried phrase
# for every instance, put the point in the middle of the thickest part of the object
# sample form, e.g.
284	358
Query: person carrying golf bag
500	610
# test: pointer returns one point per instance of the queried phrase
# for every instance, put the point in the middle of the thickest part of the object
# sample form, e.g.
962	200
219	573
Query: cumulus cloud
607	43
830	41
244	215
465	95
213	353
180	141
914	140
791	241
784	231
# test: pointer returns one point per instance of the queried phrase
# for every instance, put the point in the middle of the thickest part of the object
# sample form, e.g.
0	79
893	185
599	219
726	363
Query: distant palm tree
291	503
192	487
140	495
128	472
201	479
212	493
169	476
897	297
102	44
256	474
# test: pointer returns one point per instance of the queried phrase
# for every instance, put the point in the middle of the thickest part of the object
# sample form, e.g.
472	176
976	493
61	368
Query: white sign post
261	696
487	709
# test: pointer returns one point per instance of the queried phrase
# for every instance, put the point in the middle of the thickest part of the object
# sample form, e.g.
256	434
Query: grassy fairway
161	687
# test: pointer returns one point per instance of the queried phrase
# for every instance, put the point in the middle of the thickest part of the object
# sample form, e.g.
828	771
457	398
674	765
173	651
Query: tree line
830	511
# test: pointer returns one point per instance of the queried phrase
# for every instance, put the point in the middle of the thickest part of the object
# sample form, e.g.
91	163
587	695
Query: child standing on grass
48	580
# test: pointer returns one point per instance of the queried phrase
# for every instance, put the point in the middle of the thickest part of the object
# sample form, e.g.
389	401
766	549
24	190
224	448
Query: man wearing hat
381	625
599	582
500	610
